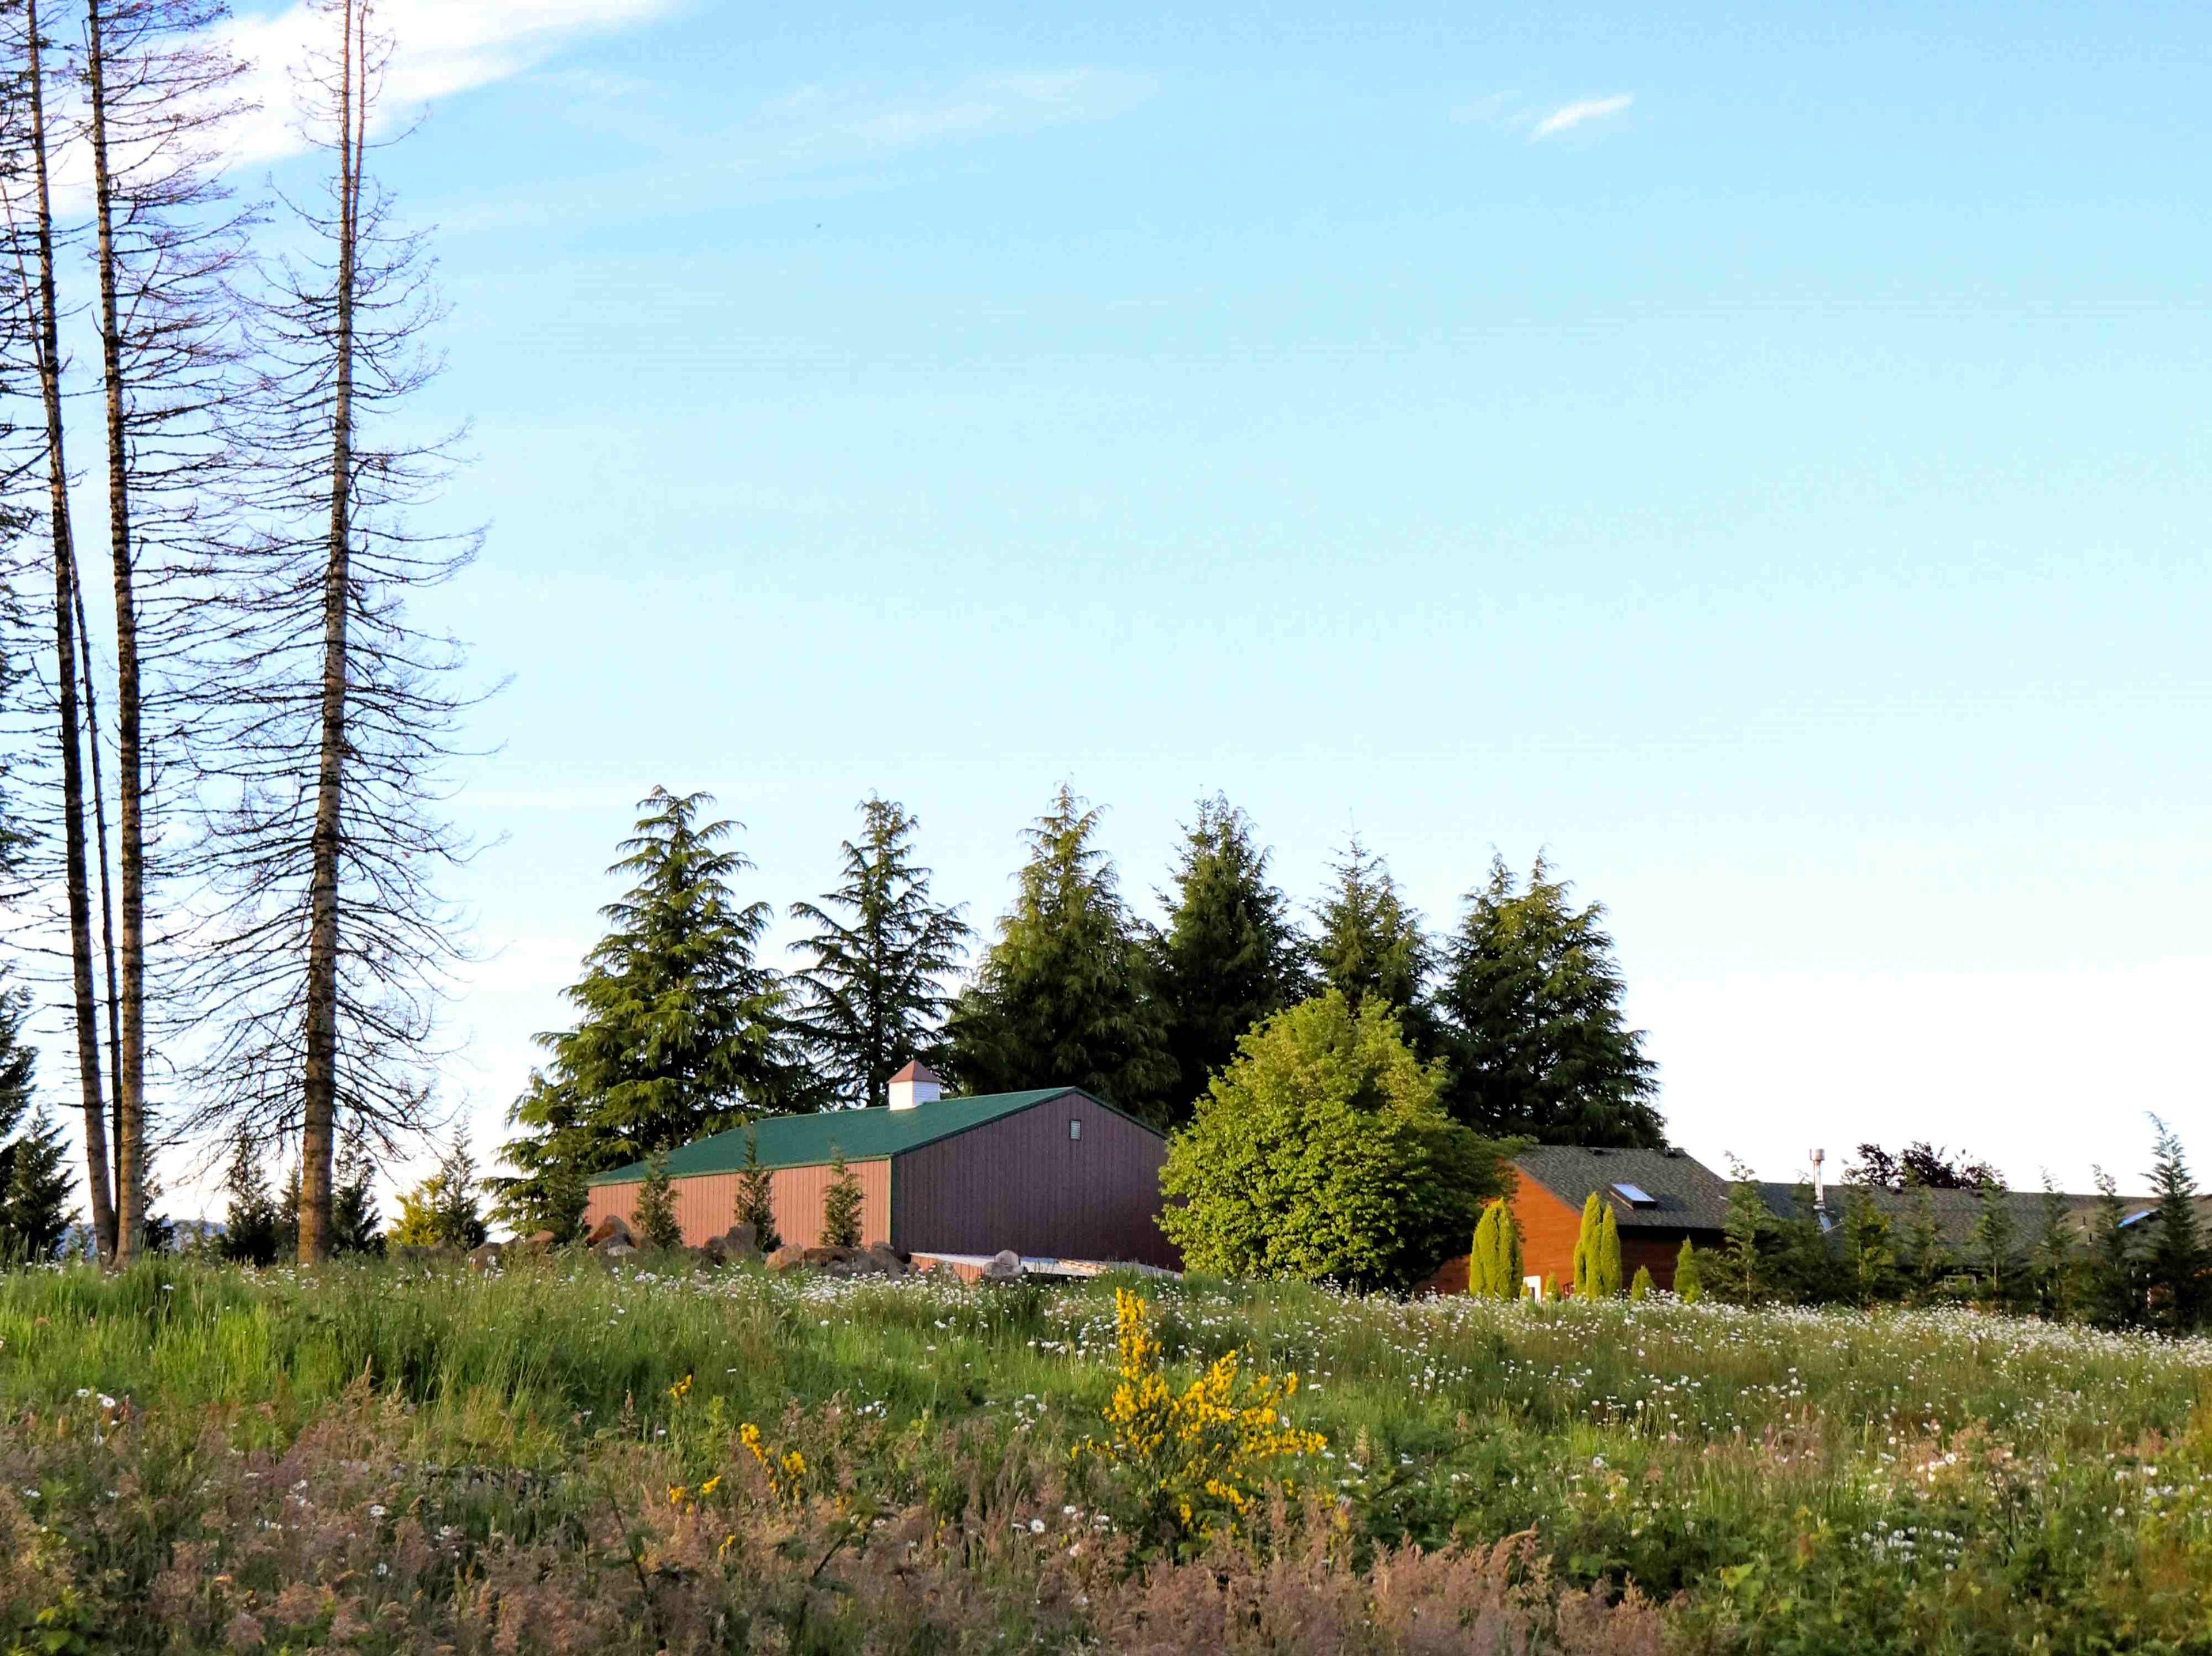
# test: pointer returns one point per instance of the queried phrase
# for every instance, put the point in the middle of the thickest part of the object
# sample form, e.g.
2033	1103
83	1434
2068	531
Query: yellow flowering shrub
1202	1456
787	1472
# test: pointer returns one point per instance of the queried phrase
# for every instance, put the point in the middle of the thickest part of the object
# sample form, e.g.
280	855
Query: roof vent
916	1083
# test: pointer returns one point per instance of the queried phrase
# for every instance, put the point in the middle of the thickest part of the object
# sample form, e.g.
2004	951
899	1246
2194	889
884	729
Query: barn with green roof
1050	1173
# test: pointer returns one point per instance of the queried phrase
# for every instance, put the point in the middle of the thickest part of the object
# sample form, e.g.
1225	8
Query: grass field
559	1459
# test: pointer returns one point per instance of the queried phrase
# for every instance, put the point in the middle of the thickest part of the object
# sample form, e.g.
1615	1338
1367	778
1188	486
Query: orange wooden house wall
1549	1231
705	1204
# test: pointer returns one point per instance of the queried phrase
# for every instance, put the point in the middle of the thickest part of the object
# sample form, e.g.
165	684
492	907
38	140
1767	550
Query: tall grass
1777	1480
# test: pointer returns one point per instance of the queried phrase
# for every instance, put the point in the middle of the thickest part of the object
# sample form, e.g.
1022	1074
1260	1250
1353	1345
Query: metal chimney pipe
1819	1188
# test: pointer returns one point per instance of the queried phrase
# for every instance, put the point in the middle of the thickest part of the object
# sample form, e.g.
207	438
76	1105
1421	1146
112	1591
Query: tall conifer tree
1534	1035
681	1032
2175	1257
874	996
1229	956
1370	945
1065	995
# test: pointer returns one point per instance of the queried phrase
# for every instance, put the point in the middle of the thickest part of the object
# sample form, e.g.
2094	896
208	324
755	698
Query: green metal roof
809	1141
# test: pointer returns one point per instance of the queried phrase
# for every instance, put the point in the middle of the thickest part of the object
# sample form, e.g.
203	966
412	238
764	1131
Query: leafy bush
1322	1153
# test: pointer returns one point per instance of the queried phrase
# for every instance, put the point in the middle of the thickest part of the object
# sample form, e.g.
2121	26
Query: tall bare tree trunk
319	1116
131	850
48	349
100	860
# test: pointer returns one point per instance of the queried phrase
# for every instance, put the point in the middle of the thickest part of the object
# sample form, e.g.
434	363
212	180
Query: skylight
1635	1195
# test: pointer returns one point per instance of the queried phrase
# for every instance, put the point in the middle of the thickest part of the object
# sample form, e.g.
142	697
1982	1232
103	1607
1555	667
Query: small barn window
1074	1128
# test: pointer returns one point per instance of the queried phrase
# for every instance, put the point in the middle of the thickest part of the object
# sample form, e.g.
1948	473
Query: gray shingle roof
1686	1194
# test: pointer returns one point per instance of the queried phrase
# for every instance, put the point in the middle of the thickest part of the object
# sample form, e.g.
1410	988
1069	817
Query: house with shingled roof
1051	1172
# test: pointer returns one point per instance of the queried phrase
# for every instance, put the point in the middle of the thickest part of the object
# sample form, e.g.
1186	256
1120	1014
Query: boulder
785	1259
486	1257
539	1242
1005	1266
612	1228
733	1247
615	1251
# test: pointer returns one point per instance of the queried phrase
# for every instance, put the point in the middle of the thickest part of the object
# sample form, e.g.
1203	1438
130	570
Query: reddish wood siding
1022	1182
704	1203
1549	1231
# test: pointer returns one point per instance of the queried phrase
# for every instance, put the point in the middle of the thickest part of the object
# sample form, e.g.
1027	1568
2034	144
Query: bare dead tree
329	947
158	94
32	316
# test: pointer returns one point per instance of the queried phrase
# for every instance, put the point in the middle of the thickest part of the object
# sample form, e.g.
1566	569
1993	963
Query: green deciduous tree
873	996
1320	1154
1065	995
841	1205
1494	1267
756	1200
1229	956
2174	1256
1533	1031
681	1032
1369	945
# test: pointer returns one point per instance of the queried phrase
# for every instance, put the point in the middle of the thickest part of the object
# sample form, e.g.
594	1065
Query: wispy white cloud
831	124
1567	117
443	47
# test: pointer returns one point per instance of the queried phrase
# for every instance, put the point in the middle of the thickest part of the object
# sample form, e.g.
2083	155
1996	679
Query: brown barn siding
704	1203
1021	1183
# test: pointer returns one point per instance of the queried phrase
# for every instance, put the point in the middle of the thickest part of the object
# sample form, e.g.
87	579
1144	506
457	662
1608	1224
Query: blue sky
1755	454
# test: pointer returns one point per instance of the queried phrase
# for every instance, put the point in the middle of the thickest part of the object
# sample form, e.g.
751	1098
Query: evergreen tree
251	1218
680	1034
1869	1260
655	1218
35	1213
756	1204
1494	1266
1641	1288
1804	1266
18	1067
355	1221
2115	1276
442	1211
873	998
459	1217
1689	1278
1993	1237
1597	1251
841	1205
1925	1257
1369	944
1533	1028
1229	957
2175	1259
1064	997
1746	1227
2052	1263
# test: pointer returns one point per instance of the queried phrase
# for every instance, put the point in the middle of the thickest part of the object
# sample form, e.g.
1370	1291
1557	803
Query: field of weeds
562	1458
